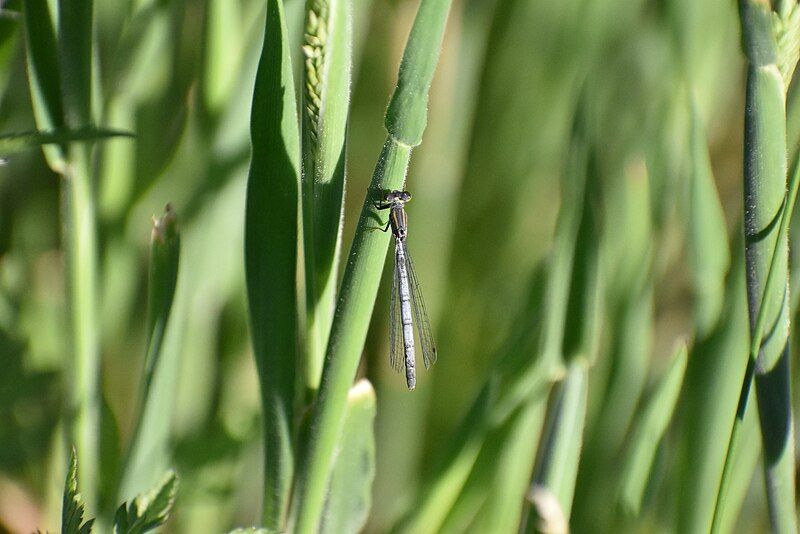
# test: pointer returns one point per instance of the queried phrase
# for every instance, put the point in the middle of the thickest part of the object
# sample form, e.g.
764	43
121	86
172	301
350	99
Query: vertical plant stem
405	122
766	255
75	34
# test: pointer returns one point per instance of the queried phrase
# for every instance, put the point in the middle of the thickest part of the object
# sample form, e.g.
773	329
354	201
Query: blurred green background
488	182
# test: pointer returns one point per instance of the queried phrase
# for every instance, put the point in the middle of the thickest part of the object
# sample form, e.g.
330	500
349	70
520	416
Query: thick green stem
75	37
80	241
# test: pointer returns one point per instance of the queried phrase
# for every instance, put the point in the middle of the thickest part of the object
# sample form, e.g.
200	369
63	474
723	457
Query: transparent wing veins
396	350
424	332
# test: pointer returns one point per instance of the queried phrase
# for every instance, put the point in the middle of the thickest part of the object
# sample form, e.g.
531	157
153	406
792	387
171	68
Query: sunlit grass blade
444	486
222	47
364	267
511	471
619	377
559	452
648	431
271	236
707	233
349	496
484	474
327	50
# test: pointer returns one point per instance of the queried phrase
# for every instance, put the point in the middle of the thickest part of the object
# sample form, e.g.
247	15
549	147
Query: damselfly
406	297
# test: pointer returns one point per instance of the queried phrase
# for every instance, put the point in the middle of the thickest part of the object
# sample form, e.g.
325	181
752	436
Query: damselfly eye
405	196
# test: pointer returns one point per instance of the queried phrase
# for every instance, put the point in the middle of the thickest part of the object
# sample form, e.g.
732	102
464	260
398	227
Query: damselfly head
398	196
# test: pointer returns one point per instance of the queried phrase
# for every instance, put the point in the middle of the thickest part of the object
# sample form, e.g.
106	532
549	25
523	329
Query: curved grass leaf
350	493
714	371
707	234
562	440
504	504
652	423
271	235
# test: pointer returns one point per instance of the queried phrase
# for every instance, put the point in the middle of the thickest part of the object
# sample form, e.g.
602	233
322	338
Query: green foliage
271	233
349	496
16	142
148	510
648	432
73	508
326	105
577	207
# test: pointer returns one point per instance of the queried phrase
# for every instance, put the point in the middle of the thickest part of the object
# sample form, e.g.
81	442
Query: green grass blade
362	275
648	431
149	452
621	375
407	114
479	484
326	98
75	41
222	47
164	256
707	234
559	452
44	74
16	142
712	385
271	233
349	495
766	253
512	468
444	488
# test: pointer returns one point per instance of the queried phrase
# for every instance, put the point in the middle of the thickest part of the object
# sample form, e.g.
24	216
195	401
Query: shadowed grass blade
271	234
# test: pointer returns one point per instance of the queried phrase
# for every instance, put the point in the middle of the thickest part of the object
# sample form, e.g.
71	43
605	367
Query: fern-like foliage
73	507
148	510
